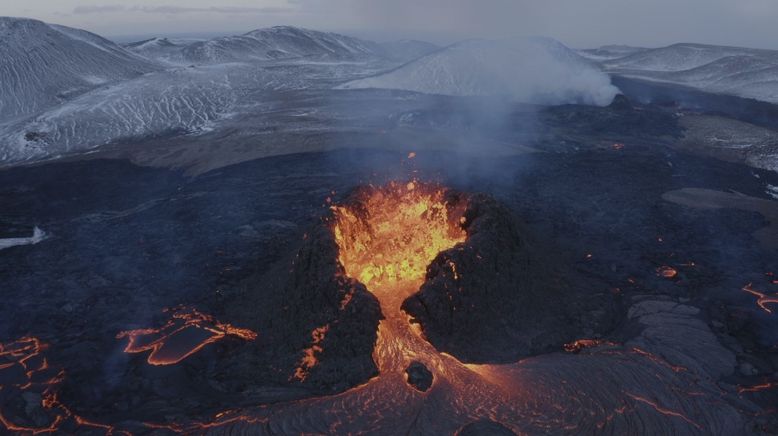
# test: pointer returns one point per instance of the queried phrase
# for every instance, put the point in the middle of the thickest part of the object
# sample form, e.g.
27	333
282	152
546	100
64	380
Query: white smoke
536	70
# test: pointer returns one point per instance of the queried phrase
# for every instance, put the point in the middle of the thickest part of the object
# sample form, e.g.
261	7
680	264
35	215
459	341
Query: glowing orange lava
667	272
186	333
395	233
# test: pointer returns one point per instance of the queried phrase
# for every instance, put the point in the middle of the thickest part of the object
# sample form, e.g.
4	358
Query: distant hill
42	65
743	72
535	70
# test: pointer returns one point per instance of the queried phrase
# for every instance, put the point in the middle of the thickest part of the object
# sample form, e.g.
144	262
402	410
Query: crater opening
390	235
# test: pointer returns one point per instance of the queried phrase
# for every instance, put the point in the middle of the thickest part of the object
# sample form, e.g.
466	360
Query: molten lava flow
186	333
762	299
25	370
396	233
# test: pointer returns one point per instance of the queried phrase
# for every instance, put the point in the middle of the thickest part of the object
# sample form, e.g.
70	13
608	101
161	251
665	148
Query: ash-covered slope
534	70
281	42
42	65
743	72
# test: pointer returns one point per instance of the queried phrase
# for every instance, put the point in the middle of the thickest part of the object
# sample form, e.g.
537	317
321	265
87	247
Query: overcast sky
577	23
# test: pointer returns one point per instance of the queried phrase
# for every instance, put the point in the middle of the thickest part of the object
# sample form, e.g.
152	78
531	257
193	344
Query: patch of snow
38	235
772	191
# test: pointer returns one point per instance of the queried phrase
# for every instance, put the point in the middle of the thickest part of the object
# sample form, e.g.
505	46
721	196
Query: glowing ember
401	229
186	333
667	272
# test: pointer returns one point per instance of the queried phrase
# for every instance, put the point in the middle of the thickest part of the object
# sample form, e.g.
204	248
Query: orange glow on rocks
186	333
395	232
310	359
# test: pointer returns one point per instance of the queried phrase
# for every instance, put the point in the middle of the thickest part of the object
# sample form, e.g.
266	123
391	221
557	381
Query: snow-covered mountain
608	52
42	65
407	49
743	72
281	42
536	70
178	101
163	50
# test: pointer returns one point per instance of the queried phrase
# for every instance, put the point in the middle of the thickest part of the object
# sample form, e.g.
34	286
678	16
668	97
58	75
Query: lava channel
184	334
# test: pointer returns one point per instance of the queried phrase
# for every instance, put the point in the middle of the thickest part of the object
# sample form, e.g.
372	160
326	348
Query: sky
577	23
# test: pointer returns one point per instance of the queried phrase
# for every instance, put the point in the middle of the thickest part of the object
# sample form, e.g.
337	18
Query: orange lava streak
662	410
186	333
657	359
667	272
401	229
757	388
762	299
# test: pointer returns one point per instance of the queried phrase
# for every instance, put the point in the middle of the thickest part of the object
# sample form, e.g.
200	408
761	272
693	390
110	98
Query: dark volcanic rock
485	428
419	376
496	298
621	102
291	306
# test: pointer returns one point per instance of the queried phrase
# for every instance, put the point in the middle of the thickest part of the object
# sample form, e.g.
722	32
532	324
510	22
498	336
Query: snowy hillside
275	43
176	101
42	65
162	50
743	72
535	70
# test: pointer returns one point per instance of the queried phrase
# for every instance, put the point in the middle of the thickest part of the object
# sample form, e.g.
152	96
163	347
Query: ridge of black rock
505	300
309	290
